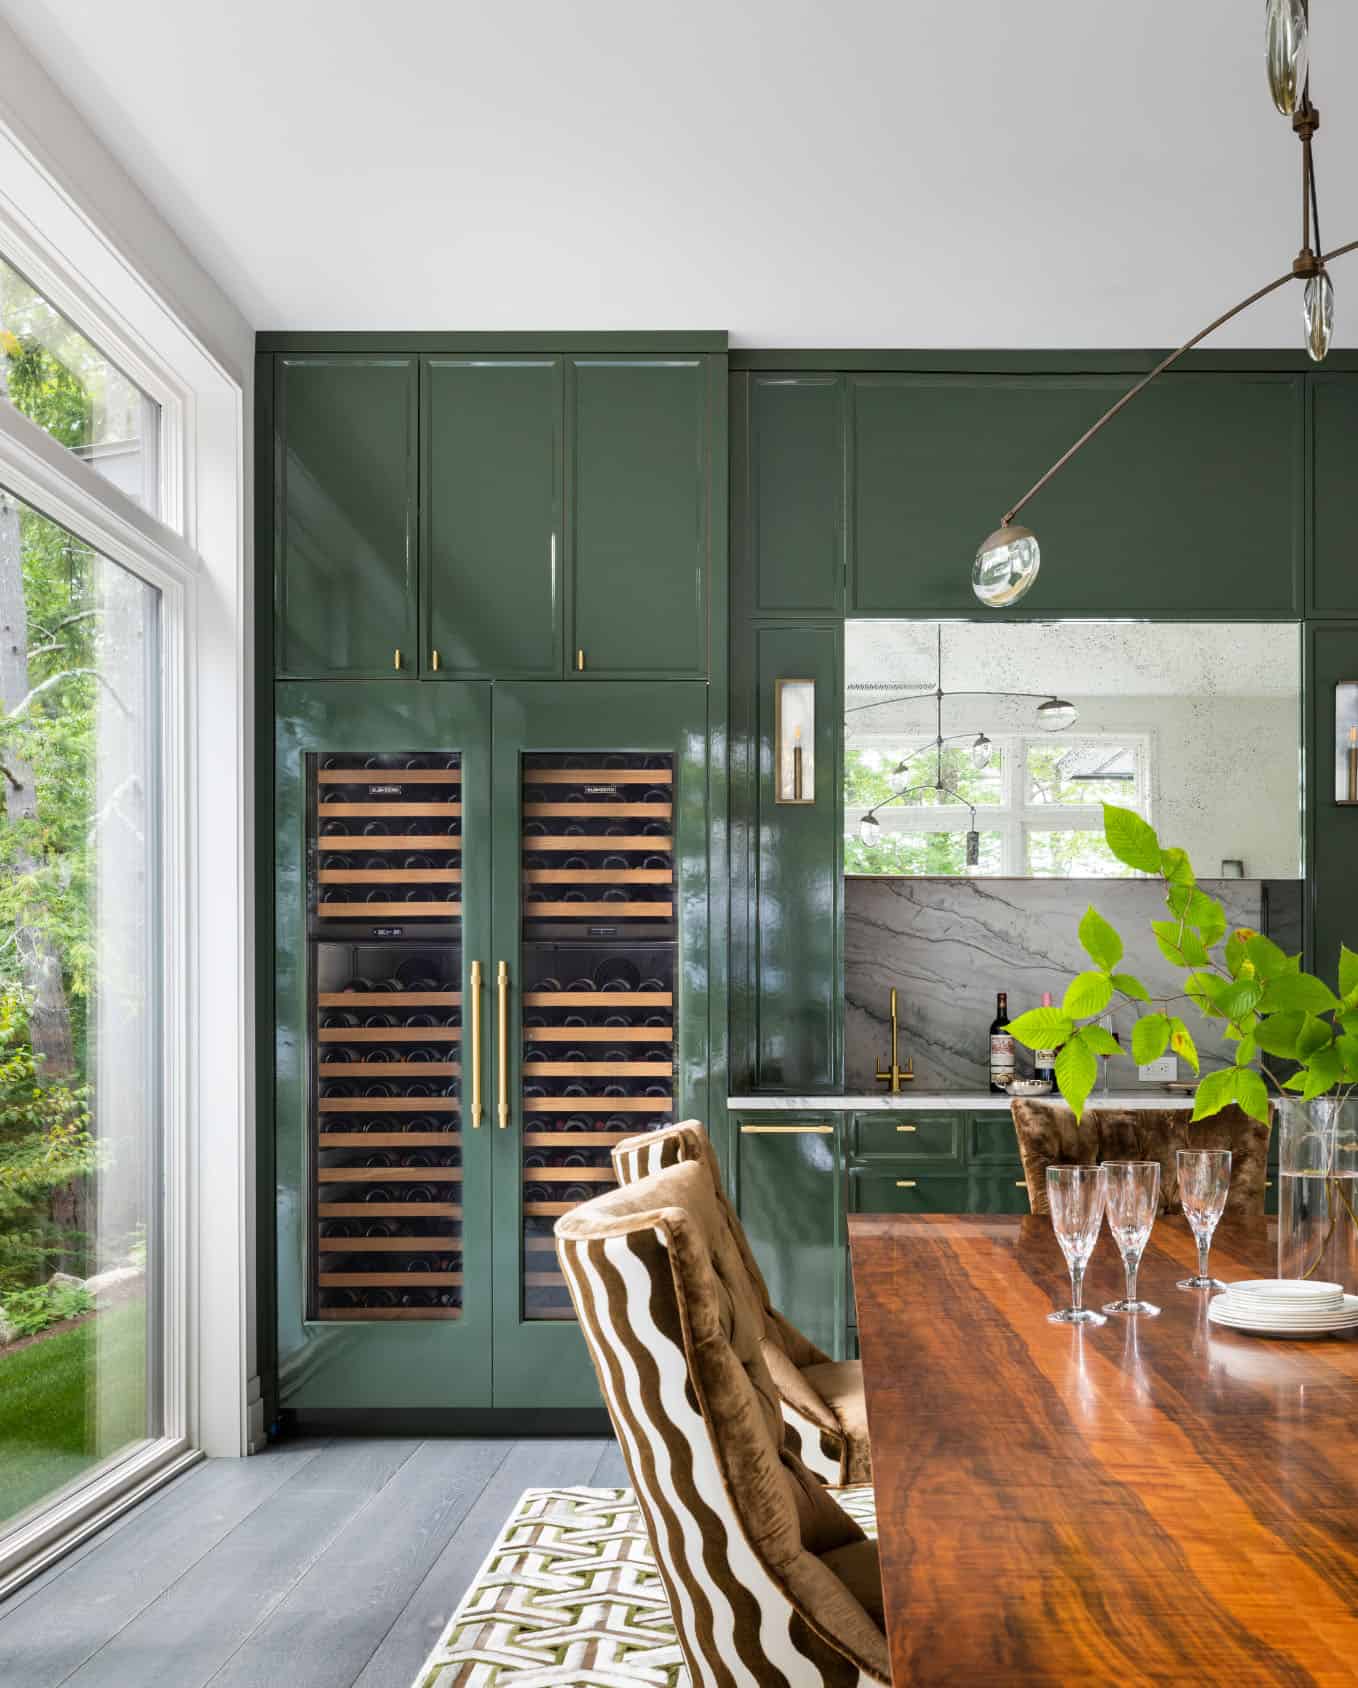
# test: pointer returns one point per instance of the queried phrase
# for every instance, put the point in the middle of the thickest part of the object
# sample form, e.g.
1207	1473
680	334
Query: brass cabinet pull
476	1044
502	1042
907	1128
396	657
906	1183
436	662
580	661
1020	1183
786	1130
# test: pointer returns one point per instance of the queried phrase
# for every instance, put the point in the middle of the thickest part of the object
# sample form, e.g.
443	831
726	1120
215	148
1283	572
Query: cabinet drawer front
991	1139
892	1192
936	1138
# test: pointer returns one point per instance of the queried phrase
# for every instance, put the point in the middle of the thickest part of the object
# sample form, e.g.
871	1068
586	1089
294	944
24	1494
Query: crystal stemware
1133	1198
1204	1181
1075	1195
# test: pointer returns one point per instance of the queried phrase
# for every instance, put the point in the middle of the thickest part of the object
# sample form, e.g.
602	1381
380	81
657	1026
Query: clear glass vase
1318	1191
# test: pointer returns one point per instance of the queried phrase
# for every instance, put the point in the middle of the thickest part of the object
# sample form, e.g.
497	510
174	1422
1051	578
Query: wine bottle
1001	1048
1044	1060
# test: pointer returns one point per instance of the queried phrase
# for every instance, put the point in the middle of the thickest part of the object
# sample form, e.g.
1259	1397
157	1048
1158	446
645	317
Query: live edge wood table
1150	1500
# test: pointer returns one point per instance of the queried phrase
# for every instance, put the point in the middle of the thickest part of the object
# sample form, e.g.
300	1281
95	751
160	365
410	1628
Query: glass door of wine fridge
600	1001
384	1161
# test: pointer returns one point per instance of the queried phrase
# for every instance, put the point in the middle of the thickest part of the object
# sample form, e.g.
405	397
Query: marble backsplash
948	945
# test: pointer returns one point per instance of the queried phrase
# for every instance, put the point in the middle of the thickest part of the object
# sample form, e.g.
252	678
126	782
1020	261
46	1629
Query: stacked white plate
1285	1307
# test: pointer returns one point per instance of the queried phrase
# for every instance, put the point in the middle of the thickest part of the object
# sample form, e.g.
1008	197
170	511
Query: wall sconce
794	740
1346	742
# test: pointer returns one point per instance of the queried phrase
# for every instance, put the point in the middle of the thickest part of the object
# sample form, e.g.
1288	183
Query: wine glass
1204	1180
1076	1195
1133	1201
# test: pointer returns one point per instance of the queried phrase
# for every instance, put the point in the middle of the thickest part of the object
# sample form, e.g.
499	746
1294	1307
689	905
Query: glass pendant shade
1006	566
1055	715
1288	50
870	829
980	751
899	777
973	848
1318	314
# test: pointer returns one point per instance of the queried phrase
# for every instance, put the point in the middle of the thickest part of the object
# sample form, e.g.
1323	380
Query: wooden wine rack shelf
383	911
595	911
598	1034
389	999
432	843
387	1280
568	843
389	876
389	1245
389	1175
390	1210
392	776
568	1175
391	1069
356	1314
599	776
597	1069
598	999
575	811
390	1034
598	876
389	1105
597	1104
394	811
386	1139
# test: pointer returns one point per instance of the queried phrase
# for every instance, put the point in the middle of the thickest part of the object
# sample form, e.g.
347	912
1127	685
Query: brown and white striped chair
824	1407
769	1579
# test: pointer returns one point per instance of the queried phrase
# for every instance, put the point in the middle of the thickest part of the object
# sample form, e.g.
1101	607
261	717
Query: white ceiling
927	173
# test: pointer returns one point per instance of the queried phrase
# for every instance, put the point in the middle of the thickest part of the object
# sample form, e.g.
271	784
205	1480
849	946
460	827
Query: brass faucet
895	1075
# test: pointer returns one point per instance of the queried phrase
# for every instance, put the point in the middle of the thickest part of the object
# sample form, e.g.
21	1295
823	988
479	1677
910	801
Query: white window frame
1013	817
196	555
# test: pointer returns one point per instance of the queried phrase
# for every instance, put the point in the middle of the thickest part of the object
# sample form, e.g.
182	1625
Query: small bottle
1044	1060
1001	1048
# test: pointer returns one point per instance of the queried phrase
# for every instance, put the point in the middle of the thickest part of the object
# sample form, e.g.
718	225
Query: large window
1038	802
80	1065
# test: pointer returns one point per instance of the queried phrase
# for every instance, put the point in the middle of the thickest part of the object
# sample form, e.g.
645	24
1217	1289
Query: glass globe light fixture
1318	314
980	751
1056	714
1287	48
870	829
973	848
1006	566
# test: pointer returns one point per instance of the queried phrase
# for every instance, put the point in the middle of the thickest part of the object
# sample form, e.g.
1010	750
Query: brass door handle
435	663
502	1042
906	1183
476	1044
786	1130
396	657
907	1128
1020	1183
580	661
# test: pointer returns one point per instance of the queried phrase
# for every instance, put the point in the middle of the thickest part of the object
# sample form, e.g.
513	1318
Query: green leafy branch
1266	1004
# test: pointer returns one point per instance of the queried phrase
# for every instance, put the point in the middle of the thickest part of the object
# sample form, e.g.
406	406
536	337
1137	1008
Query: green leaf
1251	1094
1244	1052
1348	1054
1131	986
1086	994
1276	1034
1201	990
1299	990
1321	1073
1269	961
1101	941
1180	945
1208	916
1042	1028
1131	839
1076	1069
1314	1036
1176	867
1150	1038
1181	1042
1348	971
1101	1040
1240	997
1216	1091
1237	948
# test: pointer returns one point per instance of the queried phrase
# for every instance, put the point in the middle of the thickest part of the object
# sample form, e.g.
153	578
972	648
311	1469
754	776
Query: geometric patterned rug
569	1597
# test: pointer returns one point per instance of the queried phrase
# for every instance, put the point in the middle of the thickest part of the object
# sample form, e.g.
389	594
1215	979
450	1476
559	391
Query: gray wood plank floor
319	1564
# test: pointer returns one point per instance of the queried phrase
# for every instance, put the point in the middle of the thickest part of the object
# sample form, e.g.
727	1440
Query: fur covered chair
824	1407
769	1579
1048	1136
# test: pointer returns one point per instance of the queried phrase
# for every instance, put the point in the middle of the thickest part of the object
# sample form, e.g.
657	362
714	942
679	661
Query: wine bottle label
1001	1055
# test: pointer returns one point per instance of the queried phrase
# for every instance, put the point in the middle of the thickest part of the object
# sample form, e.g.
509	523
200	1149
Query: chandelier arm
1159	370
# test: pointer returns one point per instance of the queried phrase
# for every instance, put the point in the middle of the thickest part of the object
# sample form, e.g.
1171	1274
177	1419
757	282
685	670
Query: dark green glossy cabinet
793	492
788	1170
1334	434
491	506
640	438
345	494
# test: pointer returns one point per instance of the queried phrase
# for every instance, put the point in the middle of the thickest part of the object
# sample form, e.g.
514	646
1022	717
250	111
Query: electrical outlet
1163	1071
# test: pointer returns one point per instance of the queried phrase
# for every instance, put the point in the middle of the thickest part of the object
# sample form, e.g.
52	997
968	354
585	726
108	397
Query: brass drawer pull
476	1044
436	662
502	1042
1020	1183
906	1183
580	661
396	657
786	1130
907	1128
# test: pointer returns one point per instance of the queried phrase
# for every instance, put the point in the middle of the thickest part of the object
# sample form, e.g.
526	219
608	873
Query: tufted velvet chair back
1048	1135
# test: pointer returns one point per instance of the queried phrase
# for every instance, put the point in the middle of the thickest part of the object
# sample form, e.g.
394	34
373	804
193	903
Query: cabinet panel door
797	493
1335	421
491	503
787	1192
1189	501
345	499
639	465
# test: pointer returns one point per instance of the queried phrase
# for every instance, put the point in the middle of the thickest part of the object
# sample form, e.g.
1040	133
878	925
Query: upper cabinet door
1334	583
491	505
639	468
345	490
1190	501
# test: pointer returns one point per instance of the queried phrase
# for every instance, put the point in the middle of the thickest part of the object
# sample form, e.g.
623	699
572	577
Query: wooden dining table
1156	1499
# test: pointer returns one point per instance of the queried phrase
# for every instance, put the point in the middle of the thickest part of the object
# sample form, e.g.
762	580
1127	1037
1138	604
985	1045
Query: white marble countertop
960	1102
